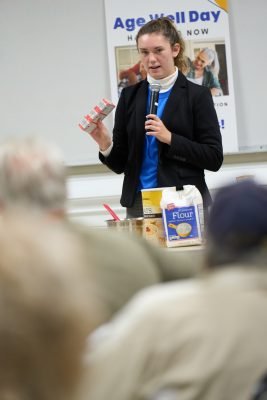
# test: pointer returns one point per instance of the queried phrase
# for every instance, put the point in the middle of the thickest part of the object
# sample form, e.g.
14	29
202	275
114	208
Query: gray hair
213	57
32	174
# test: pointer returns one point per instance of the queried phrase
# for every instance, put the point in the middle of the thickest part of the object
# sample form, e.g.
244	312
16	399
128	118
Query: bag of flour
183	219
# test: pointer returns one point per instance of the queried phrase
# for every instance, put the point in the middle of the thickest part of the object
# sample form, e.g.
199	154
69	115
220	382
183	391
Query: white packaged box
183	218
99	112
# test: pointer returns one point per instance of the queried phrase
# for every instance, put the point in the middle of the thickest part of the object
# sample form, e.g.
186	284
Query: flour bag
183	218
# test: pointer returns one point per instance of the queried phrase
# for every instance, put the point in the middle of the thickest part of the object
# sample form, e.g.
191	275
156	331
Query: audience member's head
46	309
33	178
32	175
237	225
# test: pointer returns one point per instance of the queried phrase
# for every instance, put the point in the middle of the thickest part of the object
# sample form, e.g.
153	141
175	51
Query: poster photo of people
204	26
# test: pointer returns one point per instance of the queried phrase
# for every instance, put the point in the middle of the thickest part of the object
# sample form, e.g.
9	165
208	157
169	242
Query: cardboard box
153	223
99	112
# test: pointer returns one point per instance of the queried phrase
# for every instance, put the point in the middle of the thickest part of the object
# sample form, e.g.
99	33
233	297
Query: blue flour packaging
183	219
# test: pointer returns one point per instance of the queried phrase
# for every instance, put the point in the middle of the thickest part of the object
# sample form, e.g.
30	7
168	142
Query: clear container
137	226
130	225
122	225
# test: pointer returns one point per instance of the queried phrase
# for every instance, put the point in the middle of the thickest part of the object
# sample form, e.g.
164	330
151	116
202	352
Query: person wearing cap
204	338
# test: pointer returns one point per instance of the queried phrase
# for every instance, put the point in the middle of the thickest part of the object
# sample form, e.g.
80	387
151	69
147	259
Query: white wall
248	32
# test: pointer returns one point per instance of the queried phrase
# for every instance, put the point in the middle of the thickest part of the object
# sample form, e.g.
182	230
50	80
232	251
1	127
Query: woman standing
174	147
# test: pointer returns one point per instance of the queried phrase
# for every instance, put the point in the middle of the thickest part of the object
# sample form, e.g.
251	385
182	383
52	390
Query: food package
183	217
98	113
153	224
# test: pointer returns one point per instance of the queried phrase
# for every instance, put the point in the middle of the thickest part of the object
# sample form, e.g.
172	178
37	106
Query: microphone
153	106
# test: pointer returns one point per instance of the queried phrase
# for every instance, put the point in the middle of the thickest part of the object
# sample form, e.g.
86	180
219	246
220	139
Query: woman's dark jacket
196	142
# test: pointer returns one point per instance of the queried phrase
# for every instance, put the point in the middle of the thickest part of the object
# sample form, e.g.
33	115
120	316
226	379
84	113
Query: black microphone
153	106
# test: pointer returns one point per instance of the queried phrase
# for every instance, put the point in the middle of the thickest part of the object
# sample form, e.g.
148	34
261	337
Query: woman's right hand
101	135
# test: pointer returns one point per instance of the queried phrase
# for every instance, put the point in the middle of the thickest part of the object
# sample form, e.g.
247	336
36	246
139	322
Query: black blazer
196	142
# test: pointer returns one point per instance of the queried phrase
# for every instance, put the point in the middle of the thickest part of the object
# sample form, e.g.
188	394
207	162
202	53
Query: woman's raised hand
101	135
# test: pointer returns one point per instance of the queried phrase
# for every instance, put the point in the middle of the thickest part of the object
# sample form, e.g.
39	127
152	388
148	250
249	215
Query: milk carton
183	218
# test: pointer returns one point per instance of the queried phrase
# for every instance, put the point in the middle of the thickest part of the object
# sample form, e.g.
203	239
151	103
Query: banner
203	24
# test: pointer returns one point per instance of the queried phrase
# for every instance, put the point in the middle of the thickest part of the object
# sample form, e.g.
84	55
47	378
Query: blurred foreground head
46	309
237	225
32	175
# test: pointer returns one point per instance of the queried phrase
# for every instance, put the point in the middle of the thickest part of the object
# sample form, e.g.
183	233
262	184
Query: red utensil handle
112	213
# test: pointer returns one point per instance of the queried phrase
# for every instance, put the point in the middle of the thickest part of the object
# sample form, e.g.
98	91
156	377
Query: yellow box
153	223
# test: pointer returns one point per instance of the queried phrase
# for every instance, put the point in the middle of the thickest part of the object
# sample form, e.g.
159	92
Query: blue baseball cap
238	217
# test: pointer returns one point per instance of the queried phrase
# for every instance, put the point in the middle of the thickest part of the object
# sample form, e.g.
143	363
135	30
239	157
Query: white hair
32	173
214	66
